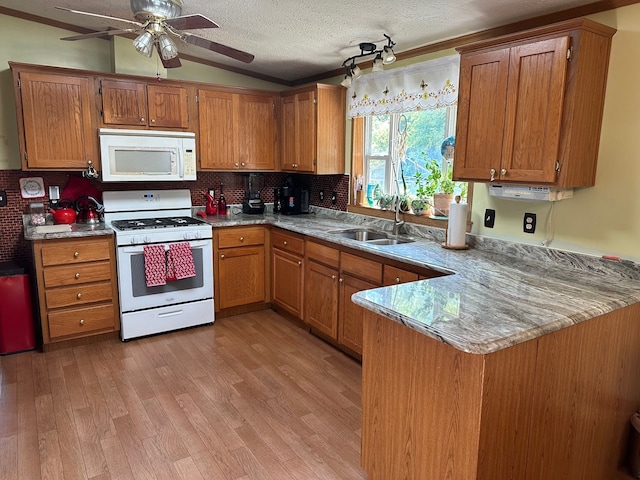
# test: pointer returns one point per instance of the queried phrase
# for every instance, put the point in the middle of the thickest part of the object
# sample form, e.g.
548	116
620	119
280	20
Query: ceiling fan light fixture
144	44
387	55
168	48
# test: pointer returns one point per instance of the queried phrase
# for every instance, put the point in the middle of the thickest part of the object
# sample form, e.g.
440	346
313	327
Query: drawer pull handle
75	254
242	239
299	263
284	243
77	276
79	296
222	257
82	321
397	279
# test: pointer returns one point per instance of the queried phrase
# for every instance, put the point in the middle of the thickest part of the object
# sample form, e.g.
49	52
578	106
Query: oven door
134	293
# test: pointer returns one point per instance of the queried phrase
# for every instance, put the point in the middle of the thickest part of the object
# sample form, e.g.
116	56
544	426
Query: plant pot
419	206
441	202
386	202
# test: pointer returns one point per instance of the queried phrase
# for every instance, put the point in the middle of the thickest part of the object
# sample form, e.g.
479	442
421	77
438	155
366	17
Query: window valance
422	86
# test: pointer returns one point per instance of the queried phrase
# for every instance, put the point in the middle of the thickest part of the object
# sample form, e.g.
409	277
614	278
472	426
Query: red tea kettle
211	207
89	210
63	211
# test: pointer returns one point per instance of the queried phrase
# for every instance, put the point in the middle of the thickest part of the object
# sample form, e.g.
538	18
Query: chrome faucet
397	223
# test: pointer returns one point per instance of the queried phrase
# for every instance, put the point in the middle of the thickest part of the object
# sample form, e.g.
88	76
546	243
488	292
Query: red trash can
17	332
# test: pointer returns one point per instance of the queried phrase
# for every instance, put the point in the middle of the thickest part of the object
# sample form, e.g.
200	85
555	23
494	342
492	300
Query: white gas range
162	218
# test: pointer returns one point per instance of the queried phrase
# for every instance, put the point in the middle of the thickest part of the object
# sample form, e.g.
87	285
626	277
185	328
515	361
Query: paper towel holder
454	247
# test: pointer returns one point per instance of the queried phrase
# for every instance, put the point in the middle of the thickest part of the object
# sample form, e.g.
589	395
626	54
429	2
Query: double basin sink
372	237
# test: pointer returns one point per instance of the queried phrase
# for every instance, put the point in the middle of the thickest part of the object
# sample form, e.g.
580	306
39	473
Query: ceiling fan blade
190	22
105	33
171	63
217	47
117	19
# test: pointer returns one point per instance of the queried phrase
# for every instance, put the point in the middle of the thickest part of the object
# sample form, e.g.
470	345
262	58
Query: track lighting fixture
384	56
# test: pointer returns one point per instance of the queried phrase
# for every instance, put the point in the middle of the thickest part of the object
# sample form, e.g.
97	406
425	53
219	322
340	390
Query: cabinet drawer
75	274
393	275
78	295
361	267
78	321
76	252
240	237
287	242
323	254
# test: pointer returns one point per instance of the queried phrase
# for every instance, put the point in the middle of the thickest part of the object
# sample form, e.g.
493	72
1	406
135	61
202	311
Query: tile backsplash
14	247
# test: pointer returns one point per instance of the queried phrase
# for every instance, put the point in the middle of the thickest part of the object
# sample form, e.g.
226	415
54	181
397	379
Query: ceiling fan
155	19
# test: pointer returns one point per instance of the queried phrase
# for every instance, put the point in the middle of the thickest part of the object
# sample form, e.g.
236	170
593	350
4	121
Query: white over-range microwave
147	155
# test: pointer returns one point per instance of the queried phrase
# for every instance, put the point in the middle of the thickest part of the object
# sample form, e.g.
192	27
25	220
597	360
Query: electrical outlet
489	218
529	223
322	195
3	198
334	197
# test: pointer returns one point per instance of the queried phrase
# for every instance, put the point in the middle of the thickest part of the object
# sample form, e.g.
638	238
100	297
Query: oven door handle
192	244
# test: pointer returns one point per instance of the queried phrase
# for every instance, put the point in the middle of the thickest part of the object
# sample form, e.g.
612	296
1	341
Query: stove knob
133	240
146	239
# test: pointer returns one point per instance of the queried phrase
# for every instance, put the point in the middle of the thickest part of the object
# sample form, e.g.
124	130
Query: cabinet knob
79	296
299	263
77	276
82	321
76	254
242	164
222	257
333	277
284	243
236	164
142	119
397	279
153	120
503	171
493	174
340	280
242	239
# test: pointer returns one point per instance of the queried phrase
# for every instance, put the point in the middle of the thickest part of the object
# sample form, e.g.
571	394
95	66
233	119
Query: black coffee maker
295	200
254	183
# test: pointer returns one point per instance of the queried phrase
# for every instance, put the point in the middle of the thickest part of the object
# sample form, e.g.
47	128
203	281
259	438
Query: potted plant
424	191
386	201
444	194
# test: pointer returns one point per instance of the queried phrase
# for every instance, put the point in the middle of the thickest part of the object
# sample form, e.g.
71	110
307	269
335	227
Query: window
426	130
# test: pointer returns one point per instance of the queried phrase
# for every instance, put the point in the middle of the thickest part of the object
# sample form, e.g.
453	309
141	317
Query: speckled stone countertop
77	230
496	294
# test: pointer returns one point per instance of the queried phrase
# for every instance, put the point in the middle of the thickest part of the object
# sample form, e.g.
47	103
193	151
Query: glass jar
37	216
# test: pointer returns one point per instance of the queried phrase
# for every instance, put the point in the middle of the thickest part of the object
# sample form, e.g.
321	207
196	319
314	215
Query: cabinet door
167	106
58	130
257	132
288	132
535	97
481	115
217	130
321	298
241	276
351	315
306	129
287	282
123	103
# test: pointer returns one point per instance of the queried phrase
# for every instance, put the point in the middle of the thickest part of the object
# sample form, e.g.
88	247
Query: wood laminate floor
251	397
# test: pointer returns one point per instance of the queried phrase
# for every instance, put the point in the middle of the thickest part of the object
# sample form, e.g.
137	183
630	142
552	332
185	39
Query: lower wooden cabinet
77	287
351	316
239	267
287	271
321	298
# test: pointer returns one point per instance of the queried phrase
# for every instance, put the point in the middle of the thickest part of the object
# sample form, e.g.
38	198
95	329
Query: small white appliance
159	217
147	155
526	192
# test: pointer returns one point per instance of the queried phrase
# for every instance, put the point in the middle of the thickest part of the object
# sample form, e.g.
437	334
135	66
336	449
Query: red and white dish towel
161	265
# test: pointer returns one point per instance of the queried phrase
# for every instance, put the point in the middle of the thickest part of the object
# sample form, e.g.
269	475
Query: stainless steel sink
389	241
369	236
360	234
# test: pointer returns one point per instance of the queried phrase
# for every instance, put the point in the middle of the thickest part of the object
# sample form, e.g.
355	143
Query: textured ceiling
294	39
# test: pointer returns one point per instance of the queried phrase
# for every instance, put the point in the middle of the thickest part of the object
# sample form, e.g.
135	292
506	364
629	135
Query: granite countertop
495	295
76	230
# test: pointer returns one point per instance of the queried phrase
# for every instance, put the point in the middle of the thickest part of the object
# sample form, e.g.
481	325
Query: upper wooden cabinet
238	131
313	129
135	103
530	106
56	126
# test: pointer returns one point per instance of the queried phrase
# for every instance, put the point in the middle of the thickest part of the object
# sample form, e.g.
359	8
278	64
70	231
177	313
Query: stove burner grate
164	222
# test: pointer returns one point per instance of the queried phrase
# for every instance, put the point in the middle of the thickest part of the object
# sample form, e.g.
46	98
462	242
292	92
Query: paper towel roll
456	230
